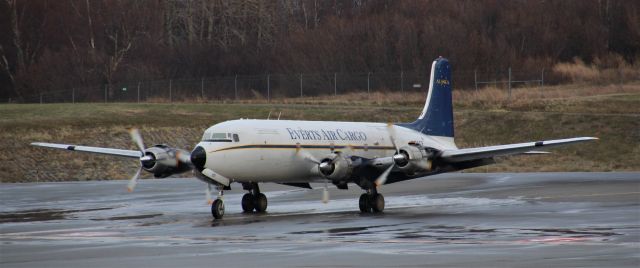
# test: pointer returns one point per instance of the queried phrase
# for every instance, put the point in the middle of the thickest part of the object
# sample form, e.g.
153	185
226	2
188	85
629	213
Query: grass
482	118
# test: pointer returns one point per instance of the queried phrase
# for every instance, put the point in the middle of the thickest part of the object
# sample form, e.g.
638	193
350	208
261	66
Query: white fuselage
270	150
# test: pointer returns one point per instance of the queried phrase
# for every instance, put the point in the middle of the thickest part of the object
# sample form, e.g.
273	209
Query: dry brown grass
485	117
492	97
611	69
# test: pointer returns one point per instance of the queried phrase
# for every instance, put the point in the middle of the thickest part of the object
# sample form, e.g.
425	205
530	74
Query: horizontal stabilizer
461	155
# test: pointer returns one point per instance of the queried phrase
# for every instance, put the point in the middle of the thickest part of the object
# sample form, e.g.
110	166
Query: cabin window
236	138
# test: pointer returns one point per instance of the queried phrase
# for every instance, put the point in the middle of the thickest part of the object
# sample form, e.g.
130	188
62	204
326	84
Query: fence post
105	93
73	95
138	91
300	85
368	89
509	85
40	98
542	82
235	87
170	93
475	79
335	84
202	88
268	88
401	81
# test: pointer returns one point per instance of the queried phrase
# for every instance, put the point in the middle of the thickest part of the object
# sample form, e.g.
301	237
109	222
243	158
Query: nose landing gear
217	207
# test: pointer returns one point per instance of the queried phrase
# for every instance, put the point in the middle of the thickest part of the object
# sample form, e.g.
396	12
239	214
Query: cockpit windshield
220	137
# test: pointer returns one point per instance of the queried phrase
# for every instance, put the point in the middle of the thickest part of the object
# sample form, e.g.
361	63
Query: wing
89	149
461	155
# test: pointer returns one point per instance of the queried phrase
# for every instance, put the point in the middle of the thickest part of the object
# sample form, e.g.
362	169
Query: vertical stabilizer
436	118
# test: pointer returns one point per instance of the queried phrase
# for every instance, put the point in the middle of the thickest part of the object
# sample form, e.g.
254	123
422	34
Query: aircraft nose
199	158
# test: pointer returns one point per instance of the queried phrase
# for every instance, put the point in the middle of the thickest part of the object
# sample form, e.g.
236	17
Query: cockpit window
218	136
212	136
236	138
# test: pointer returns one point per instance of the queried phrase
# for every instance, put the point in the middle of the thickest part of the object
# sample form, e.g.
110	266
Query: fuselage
270	150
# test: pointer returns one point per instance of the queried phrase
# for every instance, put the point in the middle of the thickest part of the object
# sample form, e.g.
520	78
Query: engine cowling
413	159
336	167
165	161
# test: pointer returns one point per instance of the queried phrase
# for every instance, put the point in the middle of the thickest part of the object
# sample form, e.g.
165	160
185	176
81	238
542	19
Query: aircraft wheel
248	203
261	202
377	203
217	209
364	203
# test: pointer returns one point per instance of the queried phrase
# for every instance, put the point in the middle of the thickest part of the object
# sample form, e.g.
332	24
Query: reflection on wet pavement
472	225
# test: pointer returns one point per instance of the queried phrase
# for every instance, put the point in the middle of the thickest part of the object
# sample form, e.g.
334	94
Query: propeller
306	155
208	194
137	139
397	157
325	193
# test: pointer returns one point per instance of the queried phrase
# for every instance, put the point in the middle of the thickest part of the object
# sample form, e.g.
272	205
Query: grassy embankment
483	118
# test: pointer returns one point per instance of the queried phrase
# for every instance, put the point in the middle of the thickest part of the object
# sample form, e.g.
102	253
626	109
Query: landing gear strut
254	200
371	201
217	207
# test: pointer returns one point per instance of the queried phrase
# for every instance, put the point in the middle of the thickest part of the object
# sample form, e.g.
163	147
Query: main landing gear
371	201
254	200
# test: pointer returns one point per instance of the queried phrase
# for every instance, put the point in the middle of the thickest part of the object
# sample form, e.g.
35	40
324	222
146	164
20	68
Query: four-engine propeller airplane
296	153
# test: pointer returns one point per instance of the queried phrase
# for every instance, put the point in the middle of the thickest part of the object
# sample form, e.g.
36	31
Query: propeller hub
400	159
325	167
199	158
148	161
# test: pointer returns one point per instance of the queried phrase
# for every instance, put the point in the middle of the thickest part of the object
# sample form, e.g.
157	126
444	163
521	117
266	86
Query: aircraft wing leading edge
89	149
461	155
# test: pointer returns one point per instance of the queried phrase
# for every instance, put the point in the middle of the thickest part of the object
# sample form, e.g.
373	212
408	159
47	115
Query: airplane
297	153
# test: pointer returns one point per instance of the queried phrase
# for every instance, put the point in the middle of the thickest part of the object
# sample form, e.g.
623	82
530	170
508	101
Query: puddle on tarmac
41	214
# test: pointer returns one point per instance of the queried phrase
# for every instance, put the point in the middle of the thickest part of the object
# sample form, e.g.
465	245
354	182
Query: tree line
50	45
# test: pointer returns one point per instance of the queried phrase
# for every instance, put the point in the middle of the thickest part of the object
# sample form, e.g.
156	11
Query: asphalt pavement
457	220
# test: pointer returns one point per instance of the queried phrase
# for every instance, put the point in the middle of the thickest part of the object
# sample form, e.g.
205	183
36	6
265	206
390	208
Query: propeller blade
208	194
183	157
392	136
306	155
134	180
137	138
325	195
383	177
425	164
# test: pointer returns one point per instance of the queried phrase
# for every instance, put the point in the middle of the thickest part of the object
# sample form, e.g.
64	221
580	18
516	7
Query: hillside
483	118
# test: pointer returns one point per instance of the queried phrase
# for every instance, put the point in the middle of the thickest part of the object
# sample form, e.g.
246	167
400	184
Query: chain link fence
270	86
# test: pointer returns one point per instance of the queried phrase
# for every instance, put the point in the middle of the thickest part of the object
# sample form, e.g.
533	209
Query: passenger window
236	138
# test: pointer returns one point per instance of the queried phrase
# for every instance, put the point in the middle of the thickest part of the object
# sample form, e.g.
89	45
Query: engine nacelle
164	161
414	159
336	167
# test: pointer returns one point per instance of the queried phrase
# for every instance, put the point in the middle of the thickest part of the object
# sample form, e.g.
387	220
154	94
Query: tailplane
436	118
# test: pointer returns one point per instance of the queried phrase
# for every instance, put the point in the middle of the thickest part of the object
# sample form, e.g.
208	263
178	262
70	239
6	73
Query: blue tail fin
436	118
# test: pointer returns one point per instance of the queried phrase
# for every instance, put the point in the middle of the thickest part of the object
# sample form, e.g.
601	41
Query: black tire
261	202
365	207
377	203
248	203
217	209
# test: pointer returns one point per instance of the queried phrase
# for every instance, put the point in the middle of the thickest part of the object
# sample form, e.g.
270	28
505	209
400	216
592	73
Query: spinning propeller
144	159
397	157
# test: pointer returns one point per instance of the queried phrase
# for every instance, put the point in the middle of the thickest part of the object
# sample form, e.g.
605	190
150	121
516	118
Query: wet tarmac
478	220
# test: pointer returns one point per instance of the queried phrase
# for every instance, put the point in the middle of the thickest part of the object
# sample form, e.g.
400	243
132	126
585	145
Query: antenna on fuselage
269	116
279	115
